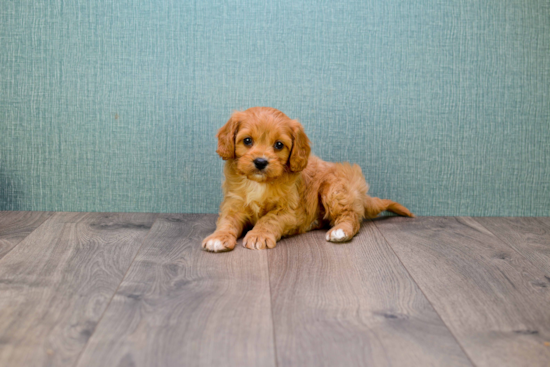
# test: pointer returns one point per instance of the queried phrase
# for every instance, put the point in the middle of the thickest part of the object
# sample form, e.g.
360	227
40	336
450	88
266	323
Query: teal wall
113	105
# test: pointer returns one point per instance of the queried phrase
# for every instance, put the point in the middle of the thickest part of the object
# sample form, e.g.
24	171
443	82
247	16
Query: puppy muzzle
260	163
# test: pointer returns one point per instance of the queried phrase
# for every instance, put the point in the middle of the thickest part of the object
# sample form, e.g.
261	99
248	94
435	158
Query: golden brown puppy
274	186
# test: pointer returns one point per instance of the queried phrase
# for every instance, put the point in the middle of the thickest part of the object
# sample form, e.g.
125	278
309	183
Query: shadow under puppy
274	186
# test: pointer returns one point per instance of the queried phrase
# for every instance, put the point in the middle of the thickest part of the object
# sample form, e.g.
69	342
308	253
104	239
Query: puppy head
264	143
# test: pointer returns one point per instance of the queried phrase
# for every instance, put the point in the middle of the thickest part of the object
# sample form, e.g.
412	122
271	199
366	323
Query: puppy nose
260	163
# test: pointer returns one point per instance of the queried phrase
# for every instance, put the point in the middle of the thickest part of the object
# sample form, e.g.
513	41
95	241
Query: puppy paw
256	240
219	242
337	234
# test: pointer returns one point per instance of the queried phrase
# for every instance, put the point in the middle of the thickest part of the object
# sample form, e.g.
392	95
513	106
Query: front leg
229	227
269	229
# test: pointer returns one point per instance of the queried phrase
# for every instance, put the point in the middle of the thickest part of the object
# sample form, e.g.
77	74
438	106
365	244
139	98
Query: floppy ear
300	149
226	138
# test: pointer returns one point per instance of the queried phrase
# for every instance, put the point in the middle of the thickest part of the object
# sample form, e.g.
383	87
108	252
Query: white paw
214	245
219	243
337	235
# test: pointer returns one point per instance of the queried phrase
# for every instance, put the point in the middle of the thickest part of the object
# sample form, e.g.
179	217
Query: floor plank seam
505	243
115	292
425	296
271	309
31	232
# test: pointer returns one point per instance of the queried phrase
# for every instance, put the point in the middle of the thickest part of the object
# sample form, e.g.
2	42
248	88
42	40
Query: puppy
275	187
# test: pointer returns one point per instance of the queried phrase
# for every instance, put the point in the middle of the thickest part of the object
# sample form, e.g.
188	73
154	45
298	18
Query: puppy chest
261	198
260	203
256	193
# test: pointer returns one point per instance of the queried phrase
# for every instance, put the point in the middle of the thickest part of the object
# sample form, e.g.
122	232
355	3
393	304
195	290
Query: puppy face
264	144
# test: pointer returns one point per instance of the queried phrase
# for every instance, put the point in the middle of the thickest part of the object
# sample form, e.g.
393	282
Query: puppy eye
247	141
278	145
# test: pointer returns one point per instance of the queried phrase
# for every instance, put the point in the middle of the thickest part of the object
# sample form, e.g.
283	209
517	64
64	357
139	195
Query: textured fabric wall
113	105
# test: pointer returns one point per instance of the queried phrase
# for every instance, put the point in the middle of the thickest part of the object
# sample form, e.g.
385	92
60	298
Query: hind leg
345	227
342	198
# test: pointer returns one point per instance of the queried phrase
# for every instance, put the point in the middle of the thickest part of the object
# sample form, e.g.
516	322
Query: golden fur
295	193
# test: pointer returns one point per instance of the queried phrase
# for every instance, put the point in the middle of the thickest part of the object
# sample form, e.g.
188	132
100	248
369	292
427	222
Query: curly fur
295	193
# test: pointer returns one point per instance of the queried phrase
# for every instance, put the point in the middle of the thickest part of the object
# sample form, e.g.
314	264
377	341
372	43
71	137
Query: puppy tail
375	206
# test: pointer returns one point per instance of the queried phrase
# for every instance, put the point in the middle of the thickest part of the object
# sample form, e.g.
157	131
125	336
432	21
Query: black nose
260	163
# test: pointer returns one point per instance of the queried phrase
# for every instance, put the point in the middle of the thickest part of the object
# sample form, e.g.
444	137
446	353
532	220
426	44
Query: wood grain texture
15	226
528	236
493	299
181	306
545	221
56	284
353	304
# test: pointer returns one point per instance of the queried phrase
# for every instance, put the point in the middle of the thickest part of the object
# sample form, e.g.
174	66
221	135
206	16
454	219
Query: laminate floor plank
528	236
182	306
353	304
16	225
545	221
56	284
494	300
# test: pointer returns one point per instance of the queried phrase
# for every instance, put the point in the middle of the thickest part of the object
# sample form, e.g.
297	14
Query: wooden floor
111	289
